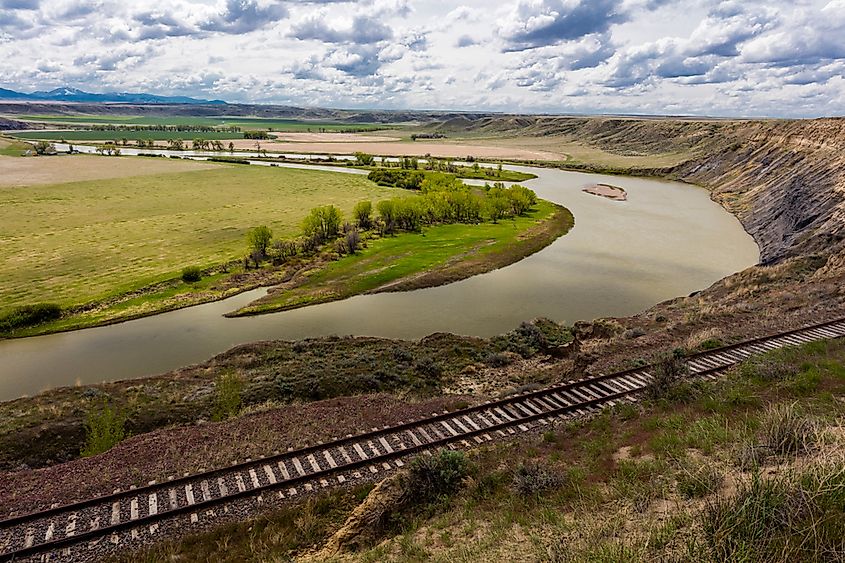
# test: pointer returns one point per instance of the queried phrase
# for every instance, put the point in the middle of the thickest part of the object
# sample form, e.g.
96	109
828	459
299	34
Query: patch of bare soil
16	172
173	451
333	138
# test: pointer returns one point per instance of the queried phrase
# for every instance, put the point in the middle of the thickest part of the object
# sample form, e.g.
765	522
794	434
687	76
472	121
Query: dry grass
37	171
76	242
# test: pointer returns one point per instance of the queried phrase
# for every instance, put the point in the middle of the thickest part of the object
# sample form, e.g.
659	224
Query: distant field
9	147
70	135
76	242
242	122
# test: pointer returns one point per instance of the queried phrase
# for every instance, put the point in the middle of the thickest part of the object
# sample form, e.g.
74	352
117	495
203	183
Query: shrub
29	315
364	159
750	456
283	250
191	274
530	479
785	431
104	428
632	333
438	476
227	400
667	373
766	368
500	359
352	240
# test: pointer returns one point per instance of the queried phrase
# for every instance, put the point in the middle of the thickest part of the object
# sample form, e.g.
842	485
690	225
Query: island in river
606	190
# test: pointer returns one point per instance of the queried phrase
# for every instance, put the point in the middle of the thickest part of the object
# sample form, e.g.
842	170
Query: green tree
387	212
364	159
497	207
44	147
323	223
259	239
363	214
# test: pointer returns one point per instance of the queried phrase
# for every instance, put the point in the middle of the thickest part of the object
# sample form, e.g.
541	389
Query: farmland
80	241
289	125
89	135
110	241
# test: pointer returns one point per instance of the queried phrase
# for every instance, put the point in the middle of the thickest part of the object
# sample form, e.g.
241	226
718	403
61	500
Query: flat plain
79	241
60	169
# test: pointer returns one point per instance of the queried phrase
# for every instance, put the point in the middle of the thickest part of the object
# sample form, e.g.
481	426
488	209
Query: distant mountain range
76	95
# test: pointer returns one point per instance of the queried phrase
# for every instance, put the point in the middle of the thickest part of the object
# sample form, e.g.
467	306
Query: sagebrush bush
499	359
750	456
766	368
191	274
531	479
438	476
29	315
666	374
227	396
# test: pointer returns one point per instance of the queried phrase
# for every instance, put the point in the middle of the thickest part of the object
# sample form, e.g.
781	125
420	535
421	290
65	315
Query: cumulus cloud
241	16
363	30
537	23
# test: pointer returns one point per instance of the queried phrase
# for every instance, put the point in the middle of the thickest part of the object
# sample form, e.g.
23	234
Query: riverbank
451	252
436	256
275	377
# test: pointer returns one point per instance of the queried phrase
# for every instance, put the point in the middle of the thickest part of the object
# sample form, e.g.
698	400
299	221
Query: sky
685	57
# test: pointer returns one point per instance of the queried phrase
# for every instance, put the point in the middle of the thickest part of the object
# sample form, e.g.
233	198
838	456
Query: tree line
443	199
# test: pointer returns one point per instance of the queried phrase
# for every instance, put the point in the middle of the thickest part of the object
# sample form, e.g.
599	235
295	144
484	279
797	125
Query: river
667	240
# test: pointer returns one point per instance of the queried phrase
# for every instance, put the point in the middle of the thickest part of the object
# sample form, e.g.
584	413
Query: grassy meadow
77	242
9	147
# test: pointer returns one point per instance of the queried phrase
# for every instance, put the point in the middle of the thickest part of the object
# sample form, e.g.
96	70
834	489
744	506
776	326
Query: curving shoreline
480	259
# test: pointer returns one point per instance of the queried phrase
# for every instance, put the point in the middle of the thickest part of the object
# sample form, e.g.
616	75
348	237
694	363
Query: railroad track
83	529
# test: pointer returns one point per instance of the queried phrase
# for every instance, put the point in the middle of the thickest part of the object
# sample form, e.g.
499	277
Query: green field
73	135
78	242
242	122
479	248
9	147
